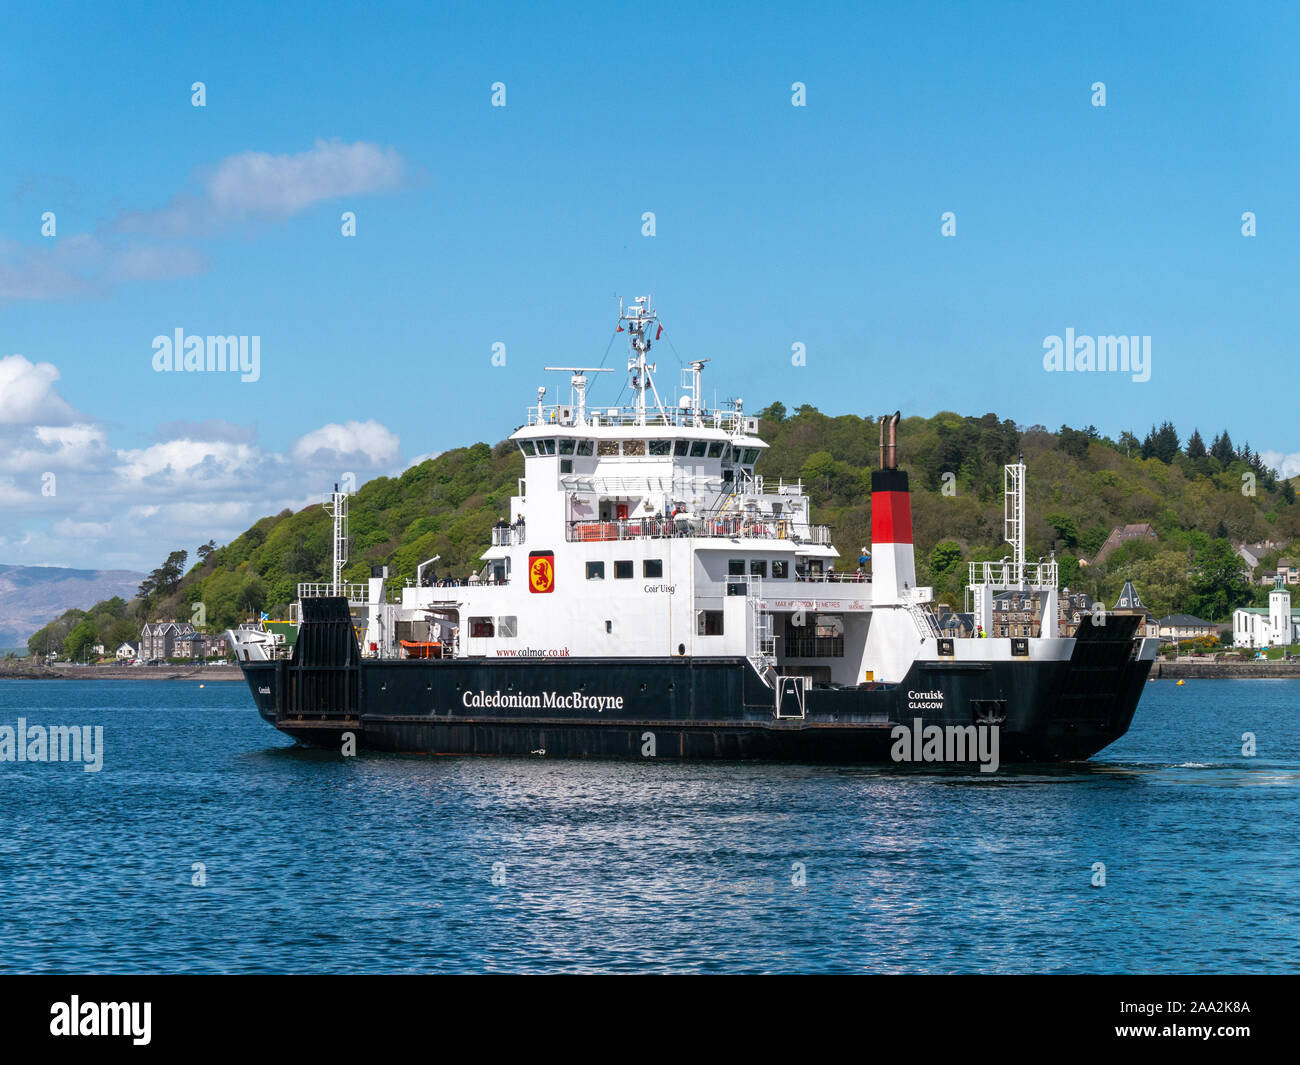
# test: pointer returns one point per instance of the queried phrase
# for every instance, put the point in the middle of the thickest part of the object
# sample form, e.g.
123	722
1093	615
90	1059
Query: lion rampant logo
541	571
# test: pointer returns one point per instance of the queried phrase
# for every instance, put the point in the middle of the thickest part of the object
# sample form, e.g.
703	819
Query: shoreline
1205	669
39	672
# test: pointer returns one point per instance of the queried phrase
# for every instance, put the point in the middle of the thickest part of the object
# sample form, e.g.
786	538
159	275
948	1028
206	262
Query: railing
507	535
355	593
1002	574
564	415
664	528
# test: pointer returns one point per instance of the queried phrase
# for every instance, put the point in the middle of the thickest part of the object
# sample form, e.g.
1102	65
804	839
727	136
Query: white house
127	652
1275	626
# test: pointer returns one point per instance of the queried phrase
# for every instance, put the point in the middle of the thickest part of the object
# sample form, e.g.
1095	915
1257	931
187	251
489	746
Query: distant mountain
31	595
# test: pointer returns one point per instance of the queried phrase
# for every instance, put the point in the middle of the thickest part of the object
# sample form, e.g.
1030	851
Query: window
682	447
780	569
607	447
566	465
715	450
480	628
633	447
546	447
708	623
507	627
595	571
566	446
661	447
585	447
751	456
698	448
623	570
758	567
526	446
738	588
728	475
735	567
652	567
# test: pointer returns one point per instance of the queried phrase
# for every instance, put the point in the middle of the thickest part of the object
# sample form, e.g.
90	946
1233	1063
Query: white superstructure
644	531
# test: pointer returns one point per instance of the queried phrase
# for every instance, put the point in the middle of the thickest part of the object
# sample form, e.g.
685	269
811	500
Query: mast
338	507
637	319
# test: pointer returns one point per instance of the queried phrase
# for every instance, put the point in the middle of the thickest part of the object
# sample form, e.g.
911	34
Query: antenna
578	386
638	317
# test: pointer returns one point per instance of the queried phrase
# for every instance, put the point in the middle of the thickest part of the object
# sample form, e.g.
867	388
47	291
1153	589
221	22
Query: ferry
651	595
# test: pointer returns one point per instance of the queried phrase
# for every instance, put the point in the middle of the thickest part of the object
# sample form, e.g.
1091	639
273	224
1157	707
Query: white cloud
240	188
27	394
366	444
127	507
258	185
1287	465
174	461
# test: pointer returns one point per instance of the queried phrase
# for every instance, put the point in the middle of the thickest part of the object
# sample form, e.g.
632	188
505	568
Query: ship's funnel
893	560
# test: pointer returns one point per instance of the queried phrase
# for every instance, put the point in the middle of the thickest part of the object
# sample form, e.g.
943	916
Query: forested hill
1081	485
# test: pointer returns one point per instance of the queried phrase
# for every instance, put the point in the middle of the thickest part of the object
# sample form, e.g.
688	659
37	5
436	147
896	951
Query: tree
1074	441
1196	446
1065	529
1218	583
233	596
945	557
82	637
1222	449
818	467
205	551
773	412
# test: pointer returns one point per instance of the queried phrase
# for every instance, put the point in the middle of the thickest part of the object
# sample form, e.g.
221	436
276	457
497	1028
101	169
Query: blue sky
477	224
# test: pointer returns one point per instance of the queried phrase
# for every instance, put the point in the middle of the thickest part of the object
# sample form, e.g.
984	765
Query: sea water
209	842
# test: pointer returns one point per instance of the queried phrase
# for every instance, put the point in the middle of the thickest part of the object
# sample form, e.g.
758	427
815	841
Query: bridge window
708	623
507	627
698	448
682	447
480	628
715	450
546	447
633	447
735	567
526	446
661	447
566	446
595	571
607	447
780	569
623	570
751	456
652	567
586	447
758	567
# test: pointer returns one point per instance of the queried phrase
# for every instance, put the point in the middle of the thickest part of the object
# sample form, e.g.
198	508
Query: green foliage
80	638
1081	486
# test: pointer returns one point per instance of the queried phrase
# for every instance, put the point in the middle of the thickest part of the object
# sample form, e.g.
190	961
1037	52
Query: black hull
687	707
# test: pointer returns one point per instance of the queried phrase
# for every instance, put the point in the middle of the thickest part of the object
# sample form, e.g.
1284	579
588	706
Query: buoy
200	685
1181	683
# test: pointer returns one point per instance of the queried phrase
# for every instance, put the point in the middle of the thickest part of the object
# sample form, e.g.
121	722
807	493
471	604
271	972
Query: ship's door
620	512
791	695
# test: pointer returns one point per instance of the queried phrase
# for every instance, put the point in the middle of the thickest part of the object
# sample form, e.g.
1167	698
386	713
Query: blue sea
310	862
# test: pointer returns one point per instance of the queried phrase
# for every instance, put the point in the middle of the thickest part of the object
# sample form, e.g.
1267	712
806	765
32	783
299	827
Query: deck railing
664	528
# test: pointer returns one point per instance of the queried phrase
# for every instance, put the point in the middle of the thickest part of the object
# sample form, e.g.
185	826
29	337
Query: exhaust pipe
889	451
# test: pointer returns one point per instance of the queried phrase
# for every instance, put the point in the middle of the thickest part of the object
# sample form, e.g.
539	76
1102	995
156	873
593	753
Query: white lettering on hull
544	701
